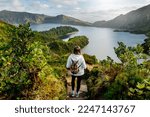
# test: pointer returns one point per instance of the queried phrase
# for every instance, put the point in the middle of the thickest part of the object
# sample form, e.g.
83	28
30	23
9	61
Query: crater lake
101	40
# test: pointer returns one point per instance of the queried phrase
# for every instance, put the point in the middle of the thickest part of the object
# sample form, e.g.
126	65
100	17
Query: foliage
59	32
146	46
81	41
25	69
14	70
60	47
6	31
90	59
126	80
32	64
52	89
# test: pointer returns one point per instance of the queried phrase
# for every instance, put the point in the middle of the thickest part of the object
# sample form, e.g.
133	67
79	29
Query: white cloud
67	2
93	15
44	6
14	5
5	4
17	5
59	6
40	6
77	8
88	10
64	2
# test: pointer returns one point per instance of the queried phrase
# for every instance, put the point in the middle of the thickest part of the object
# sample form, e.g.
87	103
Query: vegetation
29	68
59	32
60	47
91	60
146	46
129	79
32	66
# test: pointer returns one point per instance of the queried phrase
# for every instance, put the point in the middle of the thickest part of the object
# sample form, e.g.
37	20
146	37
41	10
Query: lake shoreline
67	35
114	29
101	40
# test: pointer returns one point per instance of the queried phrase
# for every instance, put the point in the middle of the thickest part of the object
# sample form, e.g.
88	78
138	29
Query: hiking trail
83	88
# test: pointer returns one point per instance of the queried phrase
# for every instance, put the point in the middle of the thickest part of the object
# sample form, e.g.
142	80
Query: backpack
74	68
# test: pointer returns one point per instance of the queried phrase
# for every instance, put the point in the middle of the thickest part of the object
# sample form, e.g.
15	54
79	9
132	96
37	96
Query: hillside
23	17
137	20
32	64
62	19
6	30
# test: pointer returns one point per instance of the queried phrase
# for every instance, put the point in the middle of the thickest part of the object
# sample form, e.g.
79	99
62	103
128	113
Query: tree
15	71
146	46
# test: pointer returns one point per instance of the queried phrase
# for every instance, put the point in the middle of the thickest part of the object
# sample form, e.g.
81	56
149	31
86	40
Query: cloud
93	15
40	6
17	5
67	2
59	6
14	5
88	10
2	4
77	8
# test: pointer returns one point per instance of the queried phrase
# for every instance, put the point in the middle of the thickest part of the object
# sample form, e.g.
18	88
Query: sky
86	10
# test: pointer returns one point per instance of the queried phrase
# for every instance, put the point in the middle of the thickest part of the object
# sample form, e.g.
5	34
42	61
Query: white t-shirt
81	63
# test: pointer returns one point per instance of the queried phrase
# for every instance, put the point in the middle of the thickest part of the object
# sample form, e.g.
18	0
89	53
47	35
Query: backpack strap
80	65
76	63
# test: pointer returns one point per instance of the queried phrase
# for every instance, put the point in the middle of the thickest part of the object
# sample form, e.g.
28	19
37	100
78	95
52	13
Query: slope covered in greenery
129	79
137	21
32	66
29	68
59	32
146	44
5	30
15	17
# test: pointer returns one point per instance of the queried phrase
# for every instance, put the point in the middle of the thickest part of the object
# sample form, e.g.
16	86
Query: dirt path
83	90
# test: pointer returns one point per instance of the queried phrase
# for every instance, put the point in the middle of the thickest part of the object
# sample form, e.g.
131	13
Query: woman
76	66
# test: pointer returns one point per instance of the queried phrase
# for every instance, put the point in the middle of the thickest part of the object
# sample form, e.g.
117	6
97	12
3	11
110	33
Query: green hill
24	17
135	21
32	64
21	17
4	28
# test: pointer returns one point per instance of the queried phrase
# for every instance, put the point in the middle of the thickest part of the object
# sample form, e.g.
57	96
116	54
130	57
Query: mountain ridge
136	20
15	17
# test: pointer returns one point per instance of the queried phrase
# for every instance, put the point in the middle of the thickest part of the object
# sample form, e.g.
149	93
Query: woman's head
77	50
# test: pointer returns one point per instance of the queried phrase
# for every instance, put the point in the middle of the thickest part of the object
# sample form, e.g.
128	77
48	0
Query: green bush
25	70
90	59
126	80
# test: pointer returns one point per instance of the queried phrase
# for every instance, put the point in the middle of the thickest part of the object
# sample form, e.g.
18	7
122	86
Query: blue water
101	40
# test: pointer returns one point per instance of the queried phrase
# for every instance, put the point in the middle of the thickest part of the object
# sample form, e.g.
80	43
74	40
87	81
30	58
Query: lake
101	40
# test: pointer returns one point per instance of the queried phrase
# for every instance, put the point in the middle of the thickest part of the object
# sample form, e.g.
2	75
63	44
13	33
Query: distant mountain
99	23
137	20
62	19
23	17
